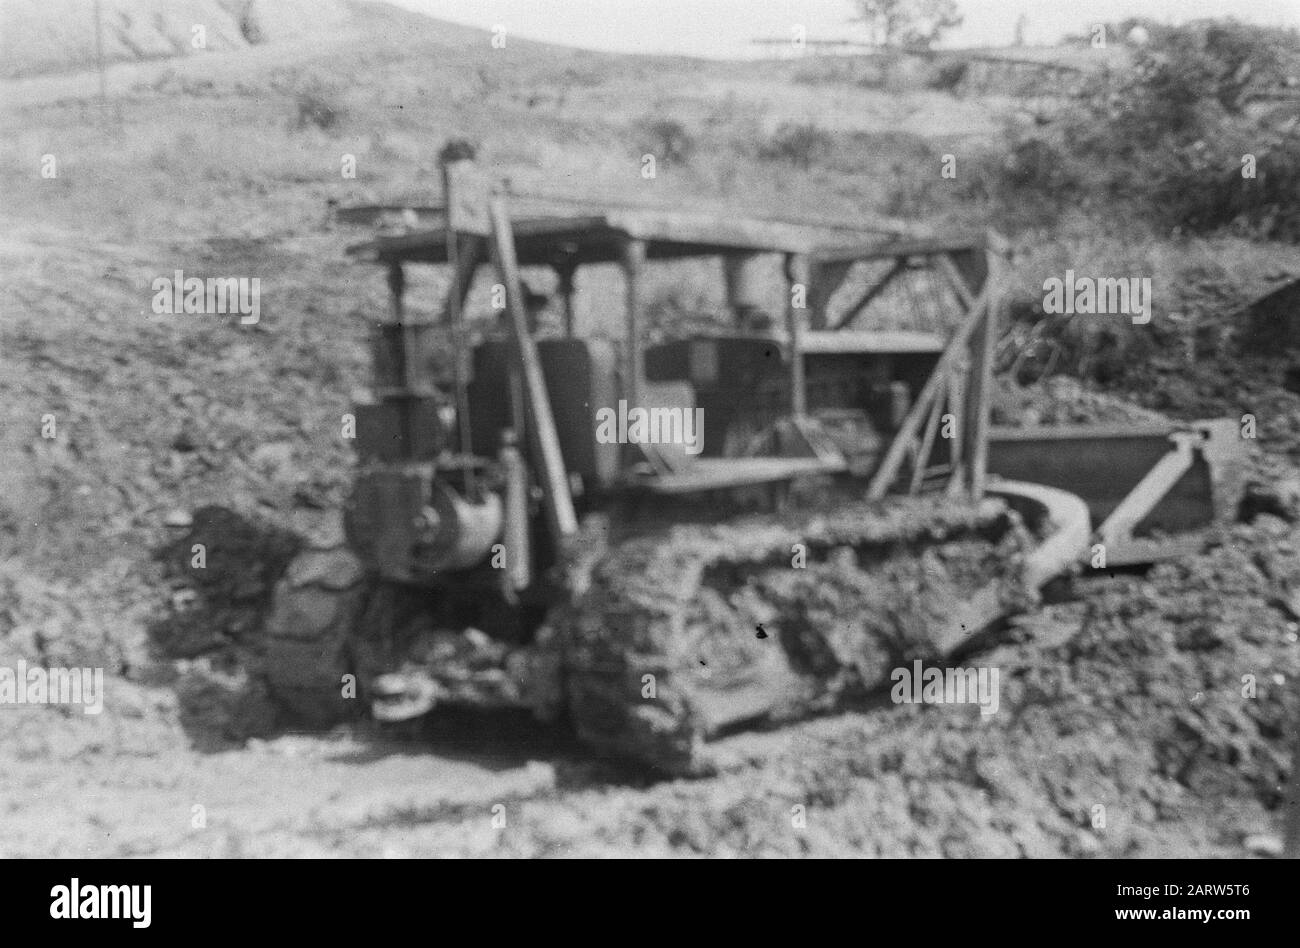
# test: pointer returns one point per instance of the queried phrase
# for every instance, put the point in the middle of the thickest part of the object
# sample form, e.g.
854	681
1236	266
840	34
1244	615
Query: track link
685	632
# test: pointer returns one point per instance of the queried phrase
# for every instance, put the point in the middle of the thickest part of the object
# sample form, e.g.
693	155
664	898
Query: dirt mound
221	573
223	570
1215	666
1144	719
1062	400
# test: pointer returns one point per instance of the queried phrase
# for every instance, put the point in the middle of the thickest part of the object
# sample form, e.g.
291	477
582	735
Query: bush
1035	164
668	140
802	144
1202	189
1164	142
949	75
316	108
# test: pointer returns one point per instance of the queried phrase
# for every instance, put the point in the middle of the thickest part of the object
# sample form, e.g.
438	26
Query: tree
907	22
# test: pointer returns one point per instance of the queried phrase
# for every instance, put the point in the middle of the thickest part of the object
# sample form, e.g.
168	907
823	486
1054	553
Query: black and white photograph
651	429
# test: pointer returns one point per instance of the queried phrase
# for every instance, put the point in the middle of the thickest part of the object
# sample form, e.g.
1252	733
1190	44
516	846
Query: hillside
50	36
223	163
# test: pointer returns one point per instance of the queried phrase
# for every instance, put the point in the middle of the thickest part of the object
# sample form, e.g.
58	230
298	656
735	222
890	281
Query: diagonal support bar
921	457
888	471
557	501
872	292
1143	498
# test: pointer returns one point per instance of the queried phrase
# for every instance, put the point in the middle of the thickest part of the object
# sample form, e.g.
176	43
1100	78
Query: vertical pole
396	295
456	315
817	276
981	391
797	272
402	355
396	289
565	272
633	261
99	52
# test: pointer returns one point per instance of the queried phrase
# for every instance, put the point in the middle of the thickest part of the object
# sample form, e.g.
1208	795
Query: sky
724	28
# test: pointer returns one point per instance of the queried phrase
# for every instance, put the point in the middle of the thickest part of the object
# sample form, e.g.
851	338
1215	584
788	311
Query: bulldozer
655	538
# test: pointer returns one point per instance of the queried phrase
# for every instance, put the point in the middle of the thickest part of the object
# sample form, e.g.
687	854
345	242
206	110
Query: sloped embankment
40	36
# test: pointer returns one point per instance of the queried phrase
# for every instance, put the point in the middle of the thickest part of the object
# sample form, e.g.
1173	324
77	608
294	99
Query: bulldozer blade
1148	488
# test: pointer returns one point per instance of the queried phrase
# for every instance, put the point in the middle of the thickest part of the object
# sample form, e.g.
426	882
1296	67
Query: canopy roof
581	233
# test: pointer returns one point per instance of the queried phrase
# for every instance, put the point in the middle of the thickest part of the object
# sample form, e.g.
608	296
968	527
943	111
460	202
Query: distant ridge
51	36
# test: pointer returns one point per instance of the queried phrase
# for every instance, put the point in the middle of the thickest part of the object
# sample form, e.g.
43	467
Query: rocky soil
1140	714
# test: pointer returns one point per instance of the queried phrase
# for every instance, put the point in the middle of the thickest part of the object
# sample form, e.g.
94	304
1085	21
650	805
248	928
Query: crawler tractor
838	520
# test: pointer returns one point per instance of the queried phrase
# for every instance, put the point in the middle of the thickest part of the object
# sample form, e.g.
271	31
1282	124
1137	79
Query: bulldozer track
661	651
670	637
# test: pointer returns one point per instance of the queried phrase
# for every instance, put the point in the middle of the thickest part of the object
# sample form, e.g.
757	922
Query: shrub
668	140
317	108
802	144
1164	141
949	75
